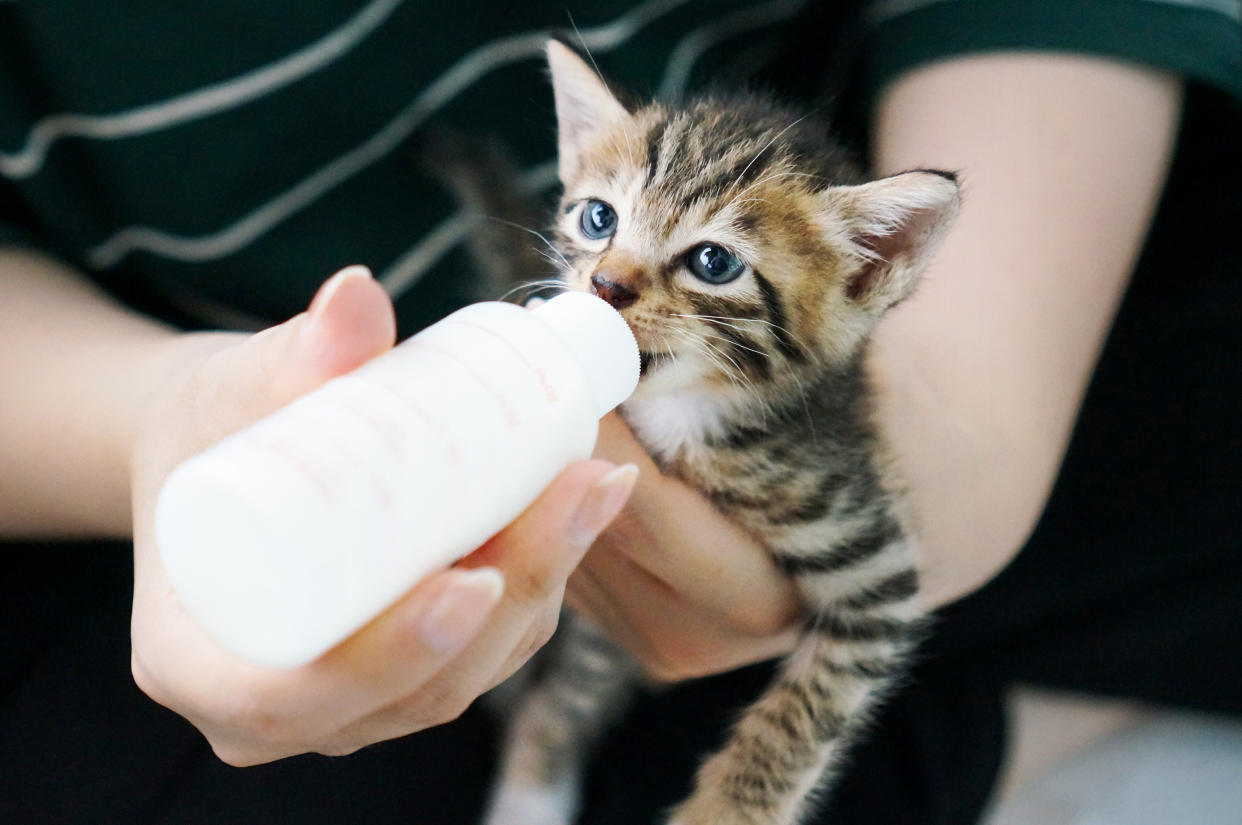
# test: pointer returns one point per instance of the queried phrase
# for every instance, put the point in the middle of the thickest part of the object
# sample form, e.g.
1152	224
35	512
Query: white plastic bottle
288	536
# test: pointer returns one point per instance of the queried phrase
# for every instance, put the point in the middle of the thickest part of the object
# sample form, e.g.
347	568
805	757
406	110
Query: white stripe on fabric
444	89
419	259
199	103
693	45
884	10
415	262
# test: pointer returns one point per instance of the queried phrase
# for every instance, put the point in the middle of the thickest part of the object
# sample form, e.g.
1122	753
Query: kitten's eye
599	220
714	264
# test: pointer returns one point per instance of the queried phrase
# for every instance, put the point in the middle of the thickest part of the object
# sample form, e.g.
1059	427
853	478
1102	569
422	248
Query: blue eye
599	220
714	264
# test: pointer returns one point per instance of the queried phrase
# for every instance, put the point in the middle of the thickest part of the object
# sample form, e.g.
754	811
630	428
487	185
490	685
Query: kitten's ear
584	104
894	225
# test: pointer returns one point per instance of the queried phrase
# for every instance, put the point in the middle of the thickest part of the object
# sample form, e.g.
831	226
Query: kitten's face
728	234
702	231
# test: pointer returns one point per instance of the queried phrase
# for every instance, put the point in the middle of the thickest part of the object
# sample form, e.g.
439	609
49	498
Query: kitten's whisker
582	41
556	263
739	346
701	348
538	235
728	321
620	142
725	320
533	286
737	376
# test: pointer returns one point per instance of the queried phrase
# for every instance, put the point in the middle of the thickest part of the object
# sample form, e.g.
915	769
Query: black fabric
1131	586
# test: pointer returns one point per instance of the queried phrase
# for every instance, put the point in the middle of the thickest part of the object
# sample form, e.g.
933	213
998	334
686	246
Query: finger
671	639
403	648
350	321
536	554
542	546
674	533
253	714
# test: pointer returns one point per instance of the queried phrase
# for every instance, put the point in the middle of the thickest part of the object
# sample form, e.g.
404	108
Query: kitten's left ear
893	225
584	104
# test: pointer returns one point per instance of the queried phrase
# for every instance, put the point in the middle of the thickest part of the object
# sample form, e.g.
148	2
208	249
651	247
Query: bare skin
980	377
105	403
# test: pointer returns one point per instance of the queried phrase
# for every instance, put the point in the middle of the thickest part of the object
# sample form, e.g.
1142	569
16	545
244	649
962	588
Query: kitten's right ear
584	105
893	226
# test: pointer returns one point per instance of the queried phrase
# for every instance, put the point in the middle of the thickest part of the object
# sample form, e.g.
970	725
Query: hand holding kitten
683	588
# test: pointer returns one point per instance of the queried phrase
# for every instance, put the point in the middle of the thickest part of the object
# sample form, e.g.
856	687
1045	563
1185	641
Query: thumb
349	322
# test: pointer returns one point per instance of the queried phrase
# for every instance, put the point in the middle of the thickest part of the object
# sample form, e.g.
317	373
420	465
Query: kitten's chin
647	362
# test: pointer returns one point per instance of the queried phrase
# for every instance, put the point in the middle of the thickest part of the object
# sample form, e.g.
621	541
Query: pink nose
619	295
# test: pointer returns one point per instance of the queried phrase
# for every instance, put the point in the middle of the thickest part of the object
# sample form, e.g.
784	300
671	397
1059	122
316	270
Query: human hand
422	661
685	590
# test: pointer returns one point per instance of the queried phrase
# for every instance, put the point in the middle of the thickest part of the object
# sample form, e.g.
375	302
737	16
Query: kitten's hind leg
550	736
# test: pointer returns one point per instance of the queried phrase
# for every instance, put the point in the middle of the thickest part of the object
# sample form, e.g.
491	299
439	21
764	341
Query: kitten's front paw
519	805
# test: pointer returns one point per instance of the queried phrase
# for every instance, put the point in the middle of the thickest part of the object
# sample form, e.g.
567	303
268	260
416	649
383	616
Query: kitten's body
754	393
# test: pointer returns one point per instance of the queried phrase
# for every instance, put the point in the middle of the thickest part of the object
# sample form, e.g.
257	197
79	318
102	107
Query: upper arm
1062	160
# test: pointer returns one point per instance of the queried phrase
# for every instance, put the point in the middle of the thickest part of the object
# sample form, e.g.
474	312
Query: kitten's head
733	236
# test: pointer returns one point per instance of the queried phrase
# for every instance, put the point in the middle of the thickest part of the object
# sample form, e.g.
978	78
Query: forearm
981	374
75	368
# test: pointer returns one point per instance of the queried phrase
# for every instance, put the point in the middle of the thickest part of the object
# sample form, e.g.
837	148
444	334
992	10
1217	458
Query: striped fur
754	392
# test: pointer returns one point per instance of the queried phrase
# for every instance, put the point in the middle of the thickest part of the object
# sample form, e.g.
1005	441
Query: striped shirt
214	162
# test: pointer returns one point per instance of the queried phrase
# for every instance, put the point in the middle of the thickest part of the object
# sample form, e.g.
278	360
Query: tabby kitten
752	263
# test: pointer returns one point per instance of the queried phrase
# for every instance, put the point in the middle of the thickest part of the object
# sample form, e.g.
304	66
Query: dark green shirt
213	162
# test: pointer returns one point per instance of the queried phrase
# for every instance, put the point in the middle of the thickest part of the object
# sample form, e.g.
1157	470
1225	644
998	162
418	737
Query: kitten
752	263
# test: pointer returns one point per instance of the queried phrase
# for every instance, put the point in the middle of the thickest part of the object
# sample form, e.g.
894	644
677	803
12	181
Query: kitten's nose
619	295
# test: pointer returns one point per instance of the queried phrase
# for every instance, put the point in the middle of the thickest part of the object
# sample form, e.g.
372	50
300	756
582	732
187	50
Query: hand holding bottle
426	657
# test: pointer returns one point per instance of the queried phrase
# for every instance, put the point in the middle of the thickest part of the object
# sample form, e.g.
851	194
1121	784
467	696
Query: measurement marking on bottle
390	434
415	406
511	417
549	389
289	453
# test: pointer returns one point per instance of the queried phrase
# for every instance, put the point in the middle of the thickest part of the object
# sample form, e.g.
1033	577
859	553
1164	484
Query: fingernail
329	289
602	503
460	612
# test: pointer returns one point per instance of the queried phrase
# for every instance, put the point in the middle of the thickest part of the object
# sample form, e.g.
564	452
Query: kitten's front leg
786	745
587	683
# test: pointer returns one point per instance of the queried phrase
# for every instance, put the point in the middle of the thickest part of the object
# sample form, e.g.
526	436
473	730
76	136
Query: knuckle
532	582
452	712
667	662
545	628
340	748
435	705
147	683
658	671
257	716
447	710
235	755
257	722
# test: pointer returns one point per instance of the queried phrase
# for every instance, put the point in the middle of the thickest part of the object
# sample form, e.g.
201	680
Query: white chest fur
668	424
